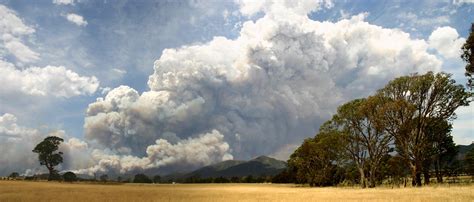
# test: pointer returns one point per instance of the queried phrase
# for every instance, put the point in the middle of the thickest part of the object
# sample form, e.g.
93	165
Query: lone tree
467	51
48	156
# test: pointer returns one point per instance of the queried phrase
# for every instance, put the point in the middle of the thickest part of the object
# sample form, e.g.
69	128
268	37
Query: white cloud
459	2
117	73
446	41
11	24
462	126
76	19
63	2
22	52
250	7
12	32
415	22
47	81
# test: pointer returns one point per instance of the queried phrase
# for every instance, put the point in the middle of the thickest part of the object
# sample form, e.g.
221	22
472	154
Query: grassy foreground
54	191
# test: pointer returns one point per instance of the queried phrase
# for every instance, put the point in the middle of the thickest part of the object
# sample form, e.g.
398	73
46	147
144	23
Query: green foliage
141	178
442	151
411	114
104	178
469	162
415	104
360	123
221	180
315	161
286	176
467	51
69	177
156	179
14	175
48	156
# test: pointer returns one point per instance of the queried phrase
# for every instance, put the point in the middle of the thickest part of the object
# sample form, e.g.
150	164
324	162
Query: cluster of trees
404	128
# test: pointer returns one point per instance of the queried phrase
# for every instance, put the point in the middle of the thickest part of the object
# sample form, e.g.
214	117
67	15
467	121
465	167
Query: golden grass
54	191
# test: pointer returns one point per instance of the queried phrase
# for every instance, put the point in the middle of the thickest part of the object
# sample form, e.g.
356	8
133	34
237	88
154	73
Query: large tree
367	142
414	102
443	150
316	161
48	154
467	51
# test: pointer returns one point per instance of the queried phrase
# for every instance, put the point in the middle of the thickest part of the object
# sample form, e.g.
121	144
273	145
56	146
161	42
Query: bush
69	177
54	176
141	178
14	175
104	178
156	179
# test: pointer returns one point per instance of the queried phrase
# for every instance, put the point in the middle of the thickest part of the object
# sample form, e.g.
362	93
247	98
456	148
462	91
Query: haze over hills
260	166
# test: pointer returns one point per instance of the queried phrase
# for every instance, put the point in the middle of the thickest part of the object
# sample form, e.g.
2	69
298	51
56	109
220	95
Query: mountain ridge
259	166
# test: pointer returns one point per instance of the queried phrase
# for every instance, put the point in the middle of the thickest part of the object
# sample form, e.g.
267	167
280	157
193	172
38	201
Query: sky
173	85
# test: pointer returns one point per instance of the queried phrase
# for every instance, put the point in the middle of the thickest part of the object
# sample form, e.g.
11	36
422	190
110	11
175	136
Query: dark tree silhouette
48	156
104	178
469	162
141	178
467	51
69	177
156	179
14	175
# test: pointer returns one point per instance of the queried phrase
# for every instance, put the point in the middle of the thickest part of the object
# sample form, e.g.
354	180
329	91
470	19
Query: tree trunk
439	177
426	175
372	178
416	174
52	174
363	181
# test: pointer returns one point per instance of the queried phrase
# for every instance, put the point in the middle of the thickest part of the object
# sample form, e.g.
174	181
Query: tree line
405	128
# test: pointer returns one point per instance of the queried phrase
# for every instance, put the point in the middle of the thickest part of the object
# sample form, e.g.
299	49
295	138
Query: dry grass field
53	191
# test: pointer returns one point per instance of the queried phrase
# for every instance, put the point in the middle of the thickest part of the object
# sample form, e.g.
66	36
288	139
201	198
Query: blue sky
117	42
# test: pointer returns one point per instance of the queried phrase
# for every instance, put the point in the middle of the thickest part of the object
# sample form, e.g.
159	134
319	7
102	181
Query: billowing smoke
254	95
202	150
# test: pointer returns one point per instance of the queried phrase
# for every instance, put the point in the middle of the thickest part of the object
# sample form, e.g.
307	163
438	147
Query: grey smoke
264	91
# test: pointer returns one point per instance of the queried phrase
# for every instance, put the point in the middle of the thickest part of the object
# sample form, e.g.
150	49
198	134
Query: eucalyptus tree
413	104
366	141
48	155
316	161
467	51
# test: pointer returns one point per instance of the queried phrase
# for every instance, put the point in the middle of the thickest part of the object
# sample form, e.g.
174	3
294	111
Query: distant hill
260	166
463	149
